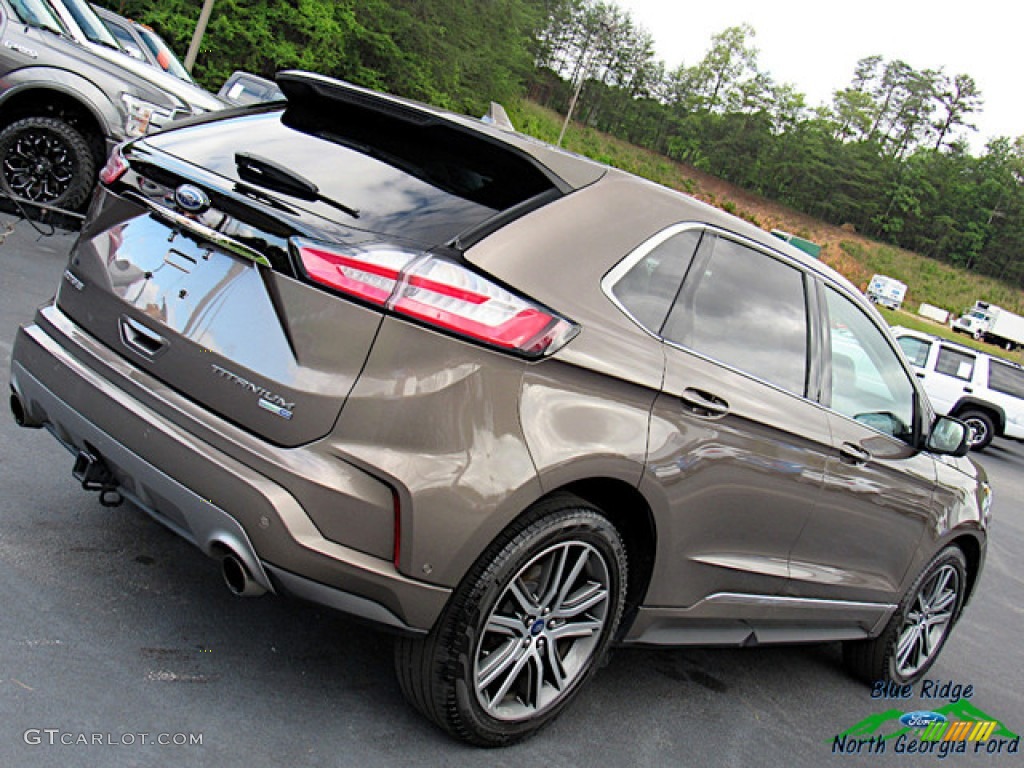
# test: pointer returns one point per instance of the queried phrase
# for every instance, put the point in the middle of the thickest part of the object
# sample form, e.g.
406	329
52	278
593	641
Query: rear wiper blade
270	175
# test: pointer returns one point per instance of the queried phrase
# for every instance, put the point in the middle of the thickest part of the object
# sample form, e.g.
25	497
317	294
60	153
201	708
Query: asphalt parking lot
120	646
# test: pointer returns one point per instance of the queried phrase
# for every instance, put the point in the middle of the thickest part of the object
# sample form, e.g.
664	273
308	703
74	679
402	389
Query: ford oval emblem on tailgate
191	198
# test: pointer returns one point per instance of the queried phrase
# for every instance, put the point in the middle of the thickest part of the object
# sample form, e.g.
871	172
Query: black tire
525	629
981	428
46	160
903	653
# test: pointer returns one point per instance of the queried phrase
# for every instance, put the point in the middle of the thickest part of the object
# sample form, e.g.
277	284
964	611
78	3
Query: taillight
440	293
369	274
115	167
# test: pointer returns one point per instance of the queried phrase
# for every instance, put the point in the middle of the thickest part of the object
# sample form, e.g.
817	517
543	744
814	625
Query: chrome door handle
853	454
704	404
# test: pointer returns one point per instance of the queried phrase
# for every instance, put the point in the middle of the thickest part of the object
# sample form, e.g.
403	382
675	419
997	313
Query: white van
985	392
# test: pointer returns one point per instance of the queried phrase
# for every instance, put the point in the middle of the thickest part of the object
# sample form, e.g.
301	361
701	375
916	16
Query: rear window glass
1006	379
419	182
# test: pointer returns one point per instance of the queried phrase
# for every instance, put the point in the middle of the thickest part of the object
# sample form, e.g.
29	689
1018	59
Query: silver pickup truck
68	93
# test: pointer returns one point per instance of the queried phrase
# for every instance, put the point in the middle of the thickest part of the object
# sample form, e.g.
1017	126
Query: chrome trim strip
199	230
812	603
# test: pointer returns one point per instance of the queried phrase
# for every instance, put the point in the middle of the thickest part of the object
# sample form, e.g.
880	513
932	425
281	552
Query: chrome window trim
616	273
619	271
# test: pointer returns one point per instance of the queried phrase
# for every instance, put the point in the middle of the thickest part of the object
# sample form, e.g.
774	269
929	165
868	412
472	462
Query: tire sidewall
575	524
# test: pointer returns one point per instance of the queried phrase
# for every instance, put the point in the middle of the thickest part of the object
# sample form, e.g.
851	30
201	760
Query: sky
816	45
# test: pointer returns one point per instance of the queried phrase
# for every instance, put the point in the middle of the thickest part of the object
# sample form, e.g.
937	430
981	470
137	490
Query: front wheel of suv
46	160
525	630
918	629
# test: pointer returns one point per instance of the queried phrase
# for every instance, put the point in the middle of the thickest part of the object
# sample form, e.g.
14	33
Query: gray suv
510	404
68	94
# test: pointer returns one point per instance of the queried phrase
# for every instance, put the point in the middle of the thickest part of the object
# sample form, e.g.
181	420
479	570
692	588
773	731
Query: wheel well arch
48	102
632	515
970	404
972	553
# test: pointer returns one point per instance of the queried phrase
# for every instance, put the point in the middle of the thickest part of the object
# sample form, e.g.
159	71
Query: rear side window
1006	379
953	362
916	350
748	310
648	289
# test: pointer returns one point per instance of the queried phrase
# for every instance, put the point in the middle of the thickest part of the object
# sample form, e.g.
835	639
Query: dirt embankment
770	215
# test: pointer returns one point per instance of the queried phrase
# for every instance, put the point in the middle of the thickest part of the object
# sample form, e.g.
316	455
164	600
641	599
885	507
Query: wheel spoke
908	643
536	681
558	674
497	663
944	603
523	596
510	678
554	576
587	597
576	629
504	625
574	574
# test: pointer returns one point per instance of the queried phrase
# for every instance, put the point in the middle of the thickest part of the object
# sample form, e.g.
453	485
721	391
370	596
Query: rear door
737	449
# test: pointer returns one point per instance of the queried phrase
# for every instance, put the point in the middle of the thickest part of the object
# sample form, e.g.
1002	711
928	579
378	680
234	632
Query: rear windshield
426	183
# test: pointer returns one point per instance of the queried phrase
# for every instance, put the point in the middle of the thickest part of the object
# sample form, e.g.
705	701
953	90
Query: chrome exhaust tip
237	577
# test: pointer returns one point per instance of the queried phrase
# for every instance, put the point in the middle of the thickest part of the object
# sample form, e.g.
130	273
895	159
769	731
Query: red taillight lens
440	293
115	167
453	297
371	275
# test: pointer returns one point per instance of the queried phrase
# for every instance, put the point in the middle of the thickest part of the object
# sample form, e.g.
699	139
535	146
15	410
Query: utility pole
197	36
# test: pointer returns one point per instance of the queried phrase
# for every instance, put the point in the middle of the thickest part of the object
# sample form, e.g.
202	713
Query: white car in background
985	392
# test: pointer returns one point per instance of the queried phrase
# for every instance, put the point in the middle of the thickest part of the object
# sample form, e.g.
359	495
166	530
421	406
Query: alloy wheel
927	621
542	631
39	166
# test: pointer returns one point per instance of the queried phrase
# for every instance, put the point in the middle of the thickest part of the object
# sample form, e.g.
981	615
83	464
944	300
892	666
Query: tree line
888	156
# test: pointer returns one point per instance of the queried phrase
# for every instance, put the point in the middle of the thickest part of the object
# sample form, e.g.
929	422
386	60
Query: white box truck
886	291
993	324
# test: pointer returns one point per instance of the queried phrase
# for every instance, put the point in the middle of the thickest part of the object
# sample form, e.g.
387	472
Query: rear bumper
70	383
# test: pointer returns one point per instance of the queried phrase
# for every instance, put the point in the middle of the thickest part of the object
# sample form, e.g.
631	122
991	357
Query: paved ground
112	629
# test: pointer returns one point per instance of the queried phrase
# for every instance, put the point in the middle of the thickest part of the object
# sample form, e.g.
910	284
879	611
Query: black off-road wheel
524	631
919	628
46	160
981	429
